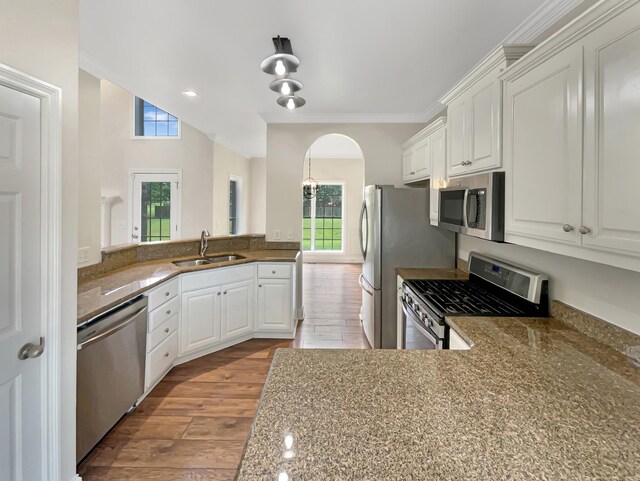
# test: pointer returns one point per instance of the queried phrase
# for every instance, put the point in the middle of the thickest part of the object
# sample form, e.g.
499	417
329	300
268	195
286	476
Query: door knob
584	230
31	351
567	228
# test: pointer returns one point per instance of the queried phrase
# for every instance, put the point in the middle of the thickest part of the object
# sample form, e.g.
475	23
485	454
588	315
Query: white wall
258	202
227	163
89	165
351	172
41	39
193	153
286	148
607	292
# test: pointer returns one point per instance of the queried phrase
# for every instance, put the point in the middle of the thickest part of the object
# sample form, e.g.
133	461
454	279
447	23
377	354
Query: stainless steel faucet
203	242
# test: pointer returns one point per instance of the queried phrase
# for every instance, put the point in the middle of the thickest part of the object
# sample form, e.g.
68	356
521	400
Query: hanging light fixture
282	61
309	185
281	64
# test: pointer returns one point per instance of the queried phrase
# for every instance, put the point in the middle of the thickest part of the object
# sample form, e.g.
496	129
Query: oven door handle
465	217
407	312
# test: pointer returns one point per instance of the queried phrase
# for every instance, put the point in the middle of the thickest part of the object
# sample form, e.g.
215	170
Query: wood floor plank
234	390
163	427
161	406
226	428
105	473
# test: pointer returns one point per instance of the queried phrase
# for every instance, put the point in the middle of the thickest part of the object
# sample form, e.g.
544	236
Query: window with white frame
323	219
235	201
152	122
155	206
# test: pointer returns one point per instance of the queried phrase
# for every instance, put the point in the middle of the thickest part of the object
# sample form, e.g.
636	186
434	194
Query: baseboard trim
320	259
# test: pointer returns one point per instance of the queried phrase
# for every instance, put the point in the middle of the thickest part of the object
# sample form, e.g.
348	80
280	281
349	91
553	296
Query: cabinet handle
166	293
168	311
568	228
166	354
584	230
412	173
166	330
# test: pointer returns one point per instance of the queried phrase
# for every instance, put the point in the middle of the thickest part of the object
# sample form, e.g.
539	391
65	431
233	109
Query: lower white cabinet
237	309
275	306
201	319
160	360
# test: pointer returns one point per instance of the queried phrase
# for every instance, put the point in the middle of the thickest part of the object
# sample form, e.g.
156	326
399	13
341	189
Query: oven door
416	334
452	209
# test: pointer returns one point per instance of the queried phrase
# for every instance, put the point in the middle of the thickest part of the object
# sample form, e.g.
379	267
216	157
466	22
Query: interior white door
612	141
237	309
156	207
21	297
543	151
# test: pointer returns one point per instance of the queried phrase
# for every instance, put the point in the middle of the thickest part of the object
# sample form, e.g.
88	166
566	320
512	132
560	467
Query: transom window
323	219
153	122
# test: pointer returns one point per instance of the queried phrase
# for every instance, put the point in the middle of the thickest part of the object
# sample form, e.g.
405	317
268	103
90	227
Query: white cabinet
474	113
275	298
416	159
543	155
571	142
201	319
237	309
438	168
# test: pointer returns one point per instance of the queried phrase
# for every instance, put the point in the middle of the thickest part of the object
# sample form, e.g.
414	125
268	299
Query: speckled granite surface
99	294
533	399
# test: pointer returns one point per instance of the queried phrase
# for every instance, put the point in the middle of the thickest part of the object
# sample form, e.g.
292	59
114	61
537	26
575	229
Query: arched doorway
333	173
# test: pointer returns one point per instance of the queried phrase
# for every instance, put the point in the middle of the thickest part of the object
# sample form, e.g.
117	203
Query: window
233	206
153	122
155	206
323	219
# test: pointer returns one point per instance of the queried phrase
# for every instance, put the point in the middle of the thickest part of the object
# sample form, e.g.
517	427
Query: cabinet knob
218	292
166	330
412	173
259	285
166	354
168	311
273	272
568	228
584	230
225	292
166	293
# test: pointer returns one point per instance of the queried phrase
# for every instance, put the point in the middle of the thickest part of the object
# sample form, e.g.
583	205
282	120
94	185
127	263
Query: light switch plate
276	234
290	234
83	255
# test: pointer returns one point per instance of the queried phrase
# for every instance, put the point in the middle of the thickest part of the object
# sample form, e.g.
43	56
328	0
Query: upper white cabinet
438	146
571	143
474	107
416	162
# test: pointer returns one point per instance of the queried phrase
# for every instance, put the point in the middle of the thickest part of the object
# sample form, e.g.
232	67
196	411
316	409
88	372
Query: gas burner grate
462	297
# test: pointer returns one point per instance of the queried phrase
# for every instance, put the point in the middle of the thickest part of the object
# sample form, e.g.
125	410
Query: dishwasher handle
113	329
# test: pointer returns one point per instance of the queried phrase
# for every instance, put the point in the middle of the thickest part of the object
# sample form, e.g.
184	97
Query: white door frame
51	227
239	203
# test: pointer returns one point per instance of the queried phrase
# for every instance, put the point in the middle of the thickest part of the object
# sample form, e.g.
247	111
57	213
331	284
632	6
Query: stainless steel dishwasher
111	366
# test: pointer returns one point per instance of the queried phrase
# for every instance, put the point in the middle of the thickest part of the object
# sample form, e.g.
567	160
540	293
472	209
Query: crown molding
342	118
543	18
434	126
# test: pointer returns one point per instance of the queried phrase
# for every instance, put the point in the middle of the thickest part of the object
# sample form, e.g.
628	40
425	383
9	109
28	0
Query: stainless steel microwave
474	206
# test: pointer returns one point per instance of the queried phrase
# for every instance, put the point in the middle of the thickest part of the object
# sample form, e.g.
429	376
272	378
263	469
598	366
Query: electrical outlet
121	225
290	234
83	255
276	234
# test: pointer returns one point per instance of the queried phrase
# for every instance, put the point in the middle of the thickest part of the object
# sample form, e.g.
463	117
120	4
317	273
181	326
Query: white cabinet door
542	151
407	165
200	319
274	305
438	170
612	135
237	309
484	129
422	160
457	150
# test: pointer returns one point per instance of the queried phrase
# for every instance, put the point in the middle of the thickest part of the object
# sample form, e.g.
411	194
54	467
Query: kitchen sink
208	260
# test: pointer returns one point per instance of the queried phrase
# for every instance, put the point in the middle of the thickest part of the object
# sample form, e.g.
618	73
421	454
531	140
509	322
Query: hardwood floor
194	424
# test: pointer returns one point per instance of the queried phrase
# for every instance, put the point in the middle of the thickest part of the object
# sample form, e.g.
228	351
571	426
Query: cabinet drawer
162	294
161	358
164	312
274	271
162	332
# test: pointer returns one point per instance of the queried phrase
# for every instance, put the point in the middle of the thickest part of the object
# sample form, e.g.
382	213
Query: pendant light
285	85
291	101
309	185
281	64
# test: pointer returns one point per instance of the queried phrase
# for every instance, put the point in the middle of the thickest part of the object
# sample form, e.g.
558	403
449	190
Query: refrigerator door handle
364	223
362	280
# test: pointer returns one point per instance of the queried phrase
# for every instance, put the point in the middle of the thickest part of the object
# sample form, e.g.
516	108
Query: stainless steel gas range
494	288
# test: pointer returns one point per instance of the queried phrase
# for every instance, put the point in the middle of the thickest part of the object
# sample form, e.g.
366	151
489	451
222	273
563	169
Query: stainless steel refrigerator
395	232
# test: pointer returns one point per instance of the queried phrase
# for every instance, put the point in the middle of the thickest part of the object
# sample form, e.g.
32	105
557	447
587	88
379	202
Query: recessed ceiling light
189	93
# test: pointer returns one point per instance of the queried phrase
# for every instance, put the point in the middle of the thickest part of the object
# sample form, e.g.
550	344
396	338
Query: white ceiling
360	59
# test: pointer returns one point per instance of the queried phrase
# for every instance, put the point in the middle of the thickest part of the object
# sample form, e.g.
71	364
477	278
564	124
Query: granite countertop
102	293
533	399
